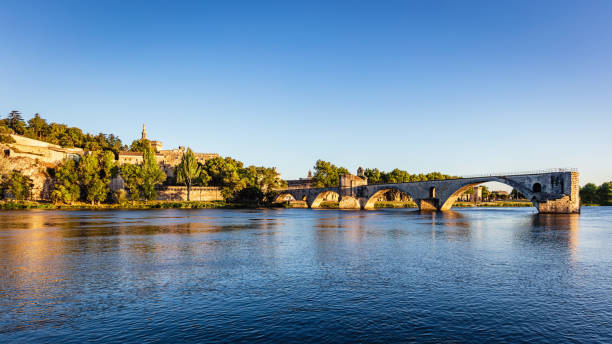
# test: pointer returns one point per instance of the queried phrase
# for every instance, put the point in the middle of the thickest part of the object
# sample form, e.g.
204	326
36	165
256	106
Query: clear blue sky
460	87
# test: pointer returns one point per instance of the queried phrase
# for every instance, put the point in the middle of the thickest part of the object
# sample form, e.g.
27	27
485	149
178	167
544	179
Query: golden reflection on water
562	222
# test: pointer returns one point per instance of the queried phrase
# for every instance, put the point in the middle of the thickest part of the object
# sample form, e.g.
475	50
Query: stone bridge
552	191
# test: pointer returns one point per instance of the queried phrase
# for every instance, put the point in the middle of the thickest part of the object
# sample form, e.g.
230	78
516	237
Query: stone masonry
550	192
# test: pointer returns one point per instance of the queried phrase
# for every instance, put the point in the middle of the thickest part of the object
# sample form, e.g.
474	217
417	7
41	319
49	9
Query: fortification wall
198	193
45	152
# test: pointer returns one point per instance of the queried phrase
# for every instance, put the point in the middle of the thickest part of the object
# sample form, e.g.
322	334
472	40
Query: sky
460	87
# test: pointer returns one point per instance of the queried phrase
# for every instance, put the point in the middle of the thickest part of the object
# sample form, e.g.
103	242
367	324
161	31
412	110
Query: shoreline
144	205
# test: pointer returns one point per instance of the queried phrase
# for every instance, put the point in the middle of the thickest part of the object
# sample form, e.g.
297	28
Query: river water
299	275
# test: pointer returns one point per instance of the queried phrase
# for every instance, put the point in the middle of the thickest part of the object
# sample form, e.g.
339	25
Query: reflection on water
301	275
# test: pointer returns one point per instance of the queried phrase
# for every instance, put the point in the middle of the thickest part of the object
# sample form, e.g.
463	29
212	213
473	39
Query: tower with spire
144	132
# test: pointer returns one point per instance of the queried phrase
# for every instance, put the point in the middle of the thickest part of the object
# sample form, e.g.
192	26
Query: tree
152	174
133	180
37	127
140	145
15	122
515	194
589	194
18	185
67	188
327	174
5	136
92	187
252	195
604	193
188	171
226	174
373	175
485	192
264	178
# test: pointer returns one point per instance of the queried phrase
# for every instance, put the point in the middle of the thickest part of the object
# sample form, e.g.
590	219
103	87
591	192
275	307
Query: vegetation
375	176
327	174
252	184
18	205
395	204
493	204
141	180
56	133
16	185
87	179
67	188
188	171
139	145
592	194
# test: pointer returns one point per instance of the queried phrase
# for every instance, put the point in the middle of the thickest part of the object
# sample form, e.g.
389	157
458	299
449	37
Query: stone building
301	182
168	159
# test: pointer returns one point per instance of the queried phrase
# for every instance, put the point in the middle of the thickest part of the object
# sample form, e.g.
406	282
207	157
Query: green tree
604	193
485	192
225	173
18	185
133	180
66	188
93	187
188	172
374	176
15	122
37	127
5	136
140	145
327	174
152	174
515	194
588	194
251	195
264	178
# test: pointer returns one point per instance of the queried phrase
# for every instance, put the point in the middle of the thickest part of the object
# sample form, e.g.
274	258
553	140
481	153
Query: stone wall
44	152
198	193
43	183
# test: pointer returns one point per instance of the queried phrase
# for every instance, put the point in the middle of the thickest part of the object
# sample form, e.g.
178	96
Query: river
299	275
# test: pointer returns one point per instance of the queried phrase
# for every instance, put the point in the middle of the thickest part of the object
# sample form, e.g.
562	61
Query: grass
493	204
20	205
393	204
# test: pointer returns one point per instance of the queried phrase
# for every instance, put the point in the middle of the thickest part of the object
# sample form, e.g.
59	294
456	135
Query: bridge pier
564	205
348	202
428	204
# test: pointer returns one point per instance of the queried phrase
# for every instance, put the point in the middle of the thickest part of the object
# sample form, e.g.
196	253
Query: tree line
591	194
57	133
327	174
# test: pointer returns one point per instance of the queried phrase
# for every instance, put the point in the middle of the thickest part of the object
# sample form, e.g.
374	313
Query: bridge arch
322	196
370	201
285	197
526	190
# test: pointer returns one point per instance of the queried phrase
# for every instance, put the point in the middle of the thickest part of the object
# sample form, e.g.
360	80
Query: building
477	195
301	182
168	159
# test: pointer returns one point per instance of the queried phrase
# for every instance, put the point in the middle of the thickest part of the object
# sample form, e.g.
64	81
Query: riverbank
140	205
